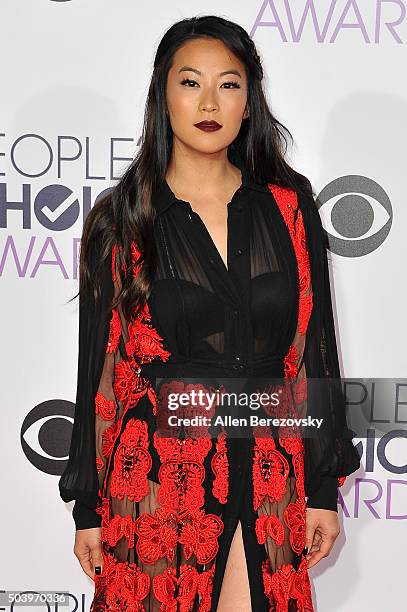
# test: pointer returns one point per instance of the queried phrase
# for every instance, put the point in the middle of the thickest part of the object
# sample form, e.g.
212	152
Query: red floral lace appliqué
199	535
144	340
109	437
181	472
128	386
270	468
100	464
294	517
286	584
180	593
114	332
120	586
341	480
157	535
132	462
290	362
181	497
104	511
288	204
144	344
269	526
220	469
120	527
298	463
104	407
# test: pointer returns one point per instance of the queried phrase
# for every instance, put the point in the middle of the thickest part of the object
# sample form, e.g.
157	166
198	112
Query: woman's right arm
105	406
101	347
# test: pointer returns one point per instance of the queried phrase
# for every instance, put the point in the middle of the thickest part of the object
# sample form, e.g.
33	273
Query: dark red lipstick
208	126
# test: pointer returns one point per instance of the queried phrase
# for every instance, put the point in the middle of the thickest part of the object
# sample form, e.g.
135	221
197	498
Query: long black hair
126	213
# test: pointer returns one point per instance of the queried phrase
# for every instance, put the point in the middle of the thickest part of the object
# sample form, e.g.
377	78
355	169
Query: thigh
235	592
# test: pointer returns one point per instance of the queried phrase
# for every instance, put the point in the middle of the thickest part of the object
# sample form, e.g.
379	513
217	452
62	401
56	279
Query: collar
163	196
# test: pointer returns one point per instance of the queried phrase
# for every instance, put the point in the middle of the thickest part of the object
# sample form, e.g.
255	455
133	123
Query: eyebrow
188	68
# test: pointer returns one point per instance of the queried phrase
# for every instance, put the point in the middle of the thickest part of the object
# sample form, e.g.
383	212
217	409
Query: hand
88	549
321	530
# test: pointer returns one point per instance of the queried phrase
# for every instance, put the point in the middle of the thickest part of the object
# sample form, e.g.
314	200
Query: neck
191	171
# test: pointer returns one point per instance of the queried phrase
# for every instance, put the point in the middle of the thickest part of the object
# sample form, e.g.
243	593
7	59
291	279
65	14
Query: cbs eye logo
357	215
46	435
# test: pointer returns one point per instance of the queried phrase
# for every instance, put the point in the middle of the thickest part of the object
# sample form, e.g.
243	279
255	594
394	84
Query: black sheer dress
169	506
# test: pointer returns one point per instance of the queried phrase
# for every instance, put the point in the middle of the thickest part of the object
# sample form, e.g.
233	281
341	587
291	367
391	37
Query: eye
235	85
356	213
185	81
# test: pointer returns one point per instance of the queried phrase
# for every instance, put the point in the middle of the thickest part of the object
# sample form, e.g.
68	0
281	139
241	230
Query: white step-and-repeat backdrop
74	76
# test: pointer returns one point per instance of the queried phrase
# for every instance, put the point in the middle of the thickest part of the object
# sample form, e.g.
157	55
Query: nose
208	107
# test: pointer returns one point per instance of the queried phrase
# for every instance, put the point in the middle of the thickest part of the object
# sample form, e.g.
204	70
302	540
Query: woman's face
206	82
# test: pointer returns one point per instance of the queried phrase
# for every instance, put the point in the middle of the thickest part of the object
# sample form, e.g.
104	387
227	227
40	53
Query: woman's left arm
329	453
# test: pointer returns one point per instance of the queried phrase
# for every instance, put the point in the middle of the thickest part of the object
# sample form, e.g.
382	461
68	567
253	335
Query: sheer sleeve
325	496
311	364
330	456
103	335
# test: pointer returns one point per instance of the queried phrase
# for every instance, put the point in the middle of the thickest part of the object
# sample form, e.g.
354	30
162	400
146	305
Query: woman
208	261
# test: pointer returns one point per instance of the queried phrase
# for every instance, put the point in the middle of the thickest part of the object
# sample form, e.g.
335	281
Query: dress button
238	366
239	251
